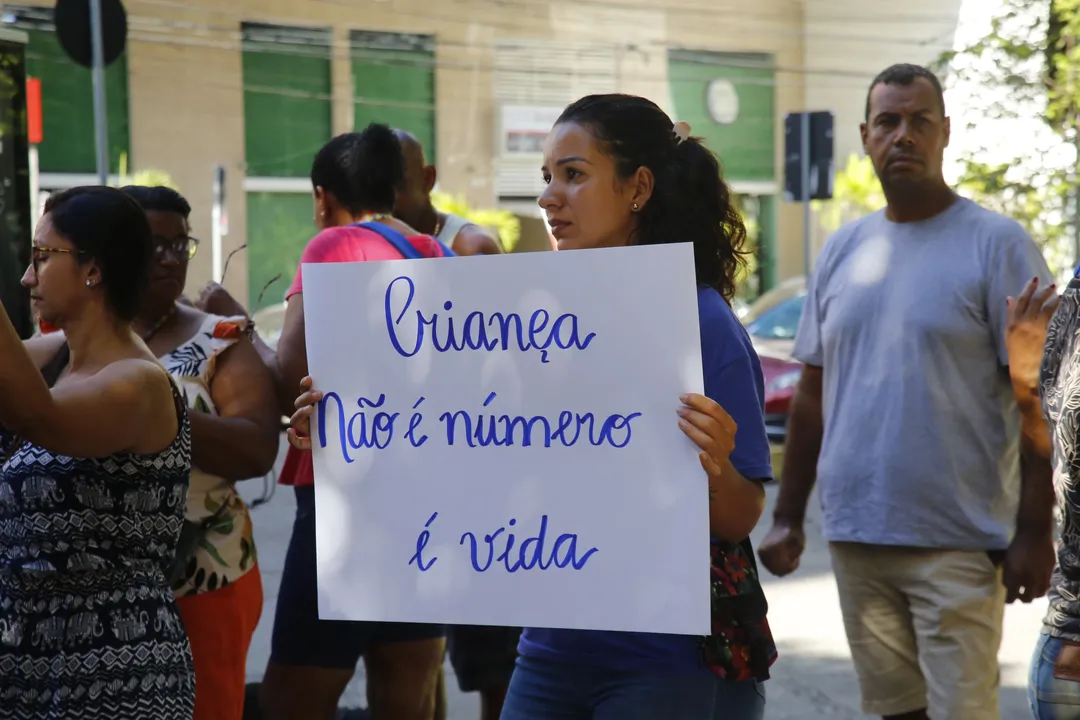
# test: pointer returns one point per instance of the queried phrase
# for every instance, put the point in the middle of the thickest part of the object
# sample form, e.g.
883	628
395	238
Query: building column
341	81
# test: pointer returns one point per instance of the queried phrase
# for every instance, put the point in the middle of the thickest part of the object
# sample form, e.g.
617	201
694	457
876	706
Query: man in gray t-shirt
906	418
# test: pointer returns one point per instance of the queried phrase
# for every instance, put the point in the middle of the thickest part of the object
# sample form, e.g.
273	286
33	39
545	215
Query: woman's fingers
1039	302
702	439
1023	300
311	397
722	438
301	420
712	409
298	442
1051	307
709	465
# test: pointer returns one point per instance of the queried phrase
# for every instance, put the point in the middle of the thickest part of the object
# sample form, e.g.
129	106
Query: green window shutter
746	144
394	83
287	105
279	226
67	99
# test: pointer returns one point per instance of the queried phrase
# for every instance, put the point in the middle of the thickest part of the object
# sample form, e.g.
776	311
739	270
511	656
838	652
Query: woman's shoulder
716	316
723	338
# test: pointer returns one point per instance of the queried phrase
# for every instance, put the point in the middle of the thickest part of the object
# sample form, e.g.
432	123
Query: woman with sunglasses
94	463
235	427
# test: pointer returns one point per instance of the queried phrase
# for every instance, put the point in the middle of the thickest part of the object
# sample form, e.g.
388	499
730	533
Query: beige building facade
256	86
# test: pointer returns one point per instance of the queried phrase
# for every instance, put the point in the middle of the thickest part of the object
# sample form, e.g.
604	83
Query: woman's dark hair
690	200
159	199
361	170
110	228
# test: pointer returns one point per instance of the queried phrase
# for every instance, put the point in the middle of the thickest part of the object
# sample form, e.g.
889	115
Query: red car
772	321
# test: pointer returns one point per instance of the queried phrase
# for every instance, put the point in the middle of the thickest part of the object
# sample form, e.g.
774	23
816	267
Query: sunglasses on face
41	252
182	248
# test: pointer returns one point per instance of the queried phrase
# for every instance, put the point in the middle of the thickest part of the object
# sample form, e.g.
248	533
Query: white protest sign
499	441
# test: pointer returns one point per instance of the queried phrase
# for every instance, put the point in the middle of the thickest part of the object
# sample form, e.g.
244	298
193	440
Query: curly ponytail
690	200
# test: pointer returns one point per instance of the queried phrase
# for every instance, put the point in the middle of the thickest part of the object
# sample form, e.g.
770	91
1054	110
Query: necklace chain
376	217
159	324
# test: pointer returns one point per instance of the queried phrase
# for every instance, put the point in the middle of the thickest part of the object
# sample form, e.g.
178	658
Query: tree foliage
505	225
856	192
1019	85
149	177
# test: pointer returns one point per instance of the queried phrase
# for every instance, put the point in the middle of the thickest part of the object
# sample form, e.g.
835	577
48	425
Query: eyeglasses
258	301
225	270
40	252
182	248
228	259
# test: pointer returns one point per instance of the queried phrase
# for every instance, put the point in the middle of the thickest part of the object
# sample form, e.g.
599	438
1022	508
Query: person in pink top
355	177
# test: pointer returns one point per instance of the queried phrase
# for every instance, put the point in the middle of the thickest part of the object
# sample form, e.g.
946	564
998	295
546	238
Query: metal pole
35	185
804	161
215	227
101	120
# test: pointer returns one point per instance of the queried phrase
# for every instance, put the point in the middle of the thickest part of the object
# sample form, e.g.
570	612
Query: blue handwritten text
363	429
503	430
530	554
497	331
421	543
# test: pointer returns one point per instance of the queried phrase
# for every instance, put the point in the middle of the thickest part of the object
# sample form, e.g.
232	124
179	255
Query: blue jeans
545	690
1049	697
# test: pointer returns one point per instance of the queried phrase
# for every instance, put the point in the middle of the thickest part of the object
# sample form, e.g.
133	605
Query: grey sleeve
808	348
1016	262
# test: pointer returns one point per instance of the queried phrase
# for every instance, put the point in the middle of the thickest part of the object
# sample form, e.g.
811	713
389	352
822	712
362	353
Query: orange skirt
220	625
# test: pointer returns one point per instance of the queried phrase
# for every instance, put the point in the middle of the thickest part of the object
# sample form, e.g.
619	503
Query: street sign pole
216	212
101	120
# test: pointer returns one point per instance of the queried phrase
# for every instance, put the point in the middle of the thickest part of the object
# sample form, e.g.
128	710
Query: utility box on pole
819	154
808	164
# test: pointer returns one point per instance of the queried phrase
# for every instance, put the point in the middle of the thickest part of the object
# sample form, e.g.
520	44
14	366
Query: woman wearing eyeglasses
234	434
95	454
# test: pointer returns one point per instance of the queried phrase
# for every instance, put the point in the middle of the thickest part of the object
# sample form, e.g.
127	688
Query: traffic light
820	153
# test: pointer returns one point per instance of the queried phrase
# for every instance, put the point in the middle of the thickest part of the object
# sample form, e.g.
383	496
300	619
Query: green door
729	100
287	119
279	226
287	107
394	83
67	98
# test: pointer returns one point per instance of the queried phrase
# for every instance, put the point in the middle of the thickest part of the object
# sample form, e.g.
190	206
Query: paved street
813	680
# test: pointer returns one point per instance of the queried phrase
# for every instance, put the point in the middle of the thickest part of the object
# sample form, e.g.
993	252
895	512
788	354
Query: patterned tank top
89	627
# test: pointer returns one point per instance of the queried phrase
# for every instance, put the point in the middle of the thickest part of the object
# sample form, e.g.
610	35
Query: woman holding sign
619	173
355	178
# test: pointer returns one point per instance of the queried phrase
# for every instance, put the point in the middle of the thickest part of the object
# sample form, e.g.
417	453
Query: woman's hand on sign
299	433
711	429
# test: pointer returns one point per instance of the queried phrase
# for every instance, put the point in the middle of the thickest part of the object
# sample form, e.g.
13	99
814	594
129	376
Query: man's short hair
904	74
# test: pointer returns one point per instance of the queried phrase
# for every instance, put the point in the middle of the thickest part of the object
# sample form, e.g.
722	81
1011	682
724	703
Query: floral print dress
227	551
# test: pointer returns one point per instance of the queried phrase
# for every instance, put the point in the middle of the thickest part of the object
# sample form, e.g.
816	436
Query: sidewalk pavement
812	680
